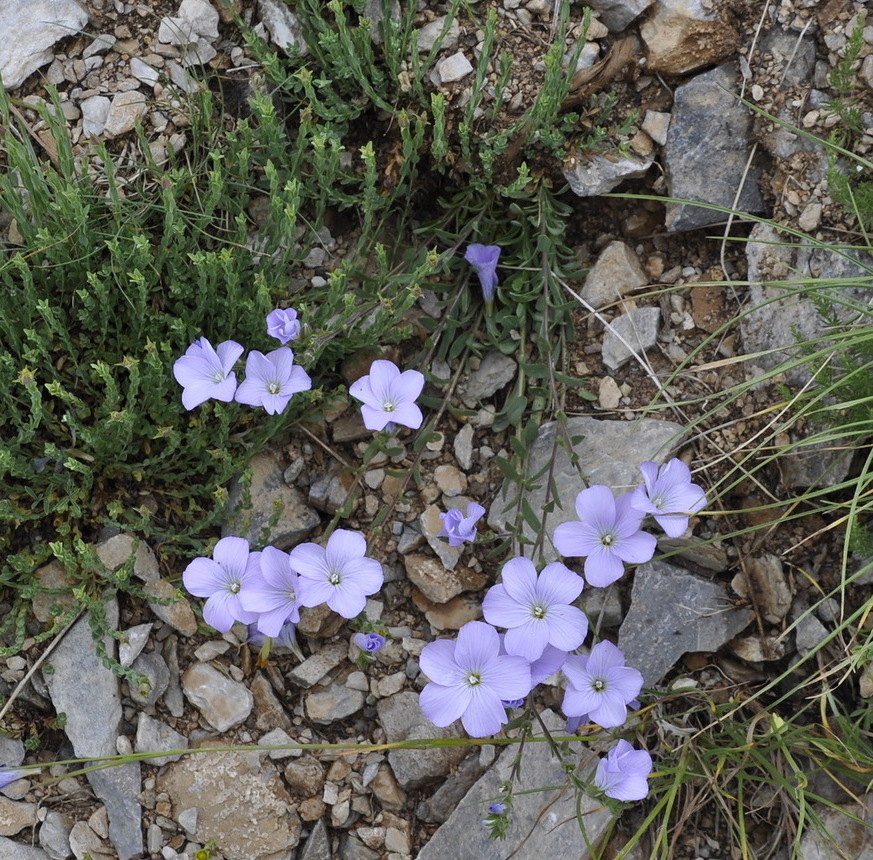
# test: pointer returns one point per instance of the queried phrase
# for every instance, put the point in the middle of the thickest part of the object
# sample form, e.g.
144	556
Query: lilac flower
220	579
369	642
9	775
608	533
272	379
624	773
469	679
204	372
388	396
536	611
497	808
600	685
483	258
457	527
286	640
283	324
272	592
339	574
669	495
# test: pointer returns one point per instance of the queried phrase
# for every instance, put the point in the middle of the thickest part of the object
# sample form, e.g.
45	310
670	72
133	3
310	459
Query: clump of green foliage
111	274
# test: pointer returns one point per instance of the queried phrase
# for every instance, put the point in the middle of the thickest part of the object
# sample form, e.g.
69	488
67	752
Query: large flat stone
673	612
542	823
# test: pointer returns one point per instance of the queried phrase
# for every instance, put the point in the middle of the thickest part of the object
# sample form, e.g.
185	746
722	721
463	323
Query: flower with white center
536	610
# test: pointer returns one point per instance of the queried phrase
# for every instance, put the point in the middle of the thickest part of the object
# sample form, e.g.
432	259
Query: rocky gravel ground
116	65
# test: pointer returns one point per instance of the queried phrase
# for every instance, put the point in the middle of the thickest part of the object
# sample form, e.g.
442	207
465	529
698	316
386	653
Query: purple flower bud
497	808
459	528
283	324
512	703
369	642
483	258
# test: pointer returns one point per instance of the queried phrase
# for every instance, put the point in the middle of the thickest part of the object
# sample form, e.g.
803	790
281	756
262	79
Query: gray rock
439	806
11	751
631	333
463	446
452	68
142	71
673	612
617	14
495	371
616	273
100	45
334	489
153	736
601	173
305	777
684	35
135	638
283	26
119	788
428	34
401	718
240	800
173	698
157	675
126	110
93	724
223	702
656	124
377	11
315	667
707	150
809	634
202	16
840	834
85	843
334	704
115	551
16	815
436	583
171	606
276	738
31	28
351	848
269	493
54	835
10	850
95	111
268	709
764	579
609	453
317	846
780	317
793	58
542	824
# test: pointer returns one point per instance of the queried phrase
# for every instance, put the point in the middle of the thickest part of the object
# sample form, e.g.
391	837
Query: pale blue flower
668	494
204	372
624	773
272	379
470	680
388	396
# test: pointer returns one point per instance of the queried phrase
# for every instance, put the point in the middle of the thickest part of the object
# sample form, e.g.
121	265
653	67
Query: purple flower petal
437	661
443	705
